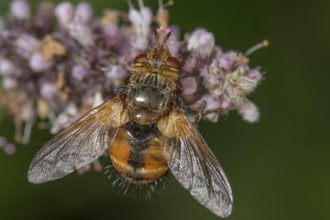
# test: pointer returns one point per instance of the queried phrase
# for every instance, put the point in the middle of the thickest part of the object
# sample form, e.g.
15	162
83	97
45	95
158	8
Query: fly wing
79	144
194	165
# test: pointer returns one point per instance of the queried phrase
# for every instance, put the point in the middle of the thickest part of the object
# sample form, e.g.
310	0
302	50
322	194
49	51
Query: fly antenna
162	33
167	36
156	37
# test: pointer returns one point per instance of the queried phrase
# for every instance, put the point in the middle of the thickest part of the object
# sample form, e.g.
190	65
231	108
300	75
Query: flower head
58	71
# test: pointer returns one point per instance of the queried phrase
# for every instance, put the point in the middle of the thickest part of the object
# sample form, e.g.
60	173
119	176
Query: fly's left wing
79	144
193	164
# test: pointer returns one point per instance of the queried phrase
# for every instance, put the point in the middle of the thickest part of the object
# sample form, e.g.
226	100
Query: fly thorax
148	96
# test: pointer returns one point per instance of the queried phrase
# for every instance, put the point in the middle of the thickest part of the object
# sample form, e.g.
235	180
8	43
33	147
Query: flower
7	68
7	147
20	9
47	90
79	72
201	42
55	72
38	63
85	11
64	13
249	112
80	31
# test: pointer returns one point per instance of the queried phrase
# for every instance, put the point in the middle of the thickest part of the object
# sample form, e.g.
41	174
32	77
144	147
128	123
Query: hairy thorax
149	96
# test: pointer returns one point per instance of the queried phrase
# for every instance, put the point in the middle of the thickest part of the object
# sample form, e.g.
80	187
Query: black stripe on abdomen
139	138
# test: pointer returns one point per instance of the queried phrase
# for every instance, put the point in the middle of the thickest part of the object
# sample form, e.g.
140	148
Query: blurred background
279	168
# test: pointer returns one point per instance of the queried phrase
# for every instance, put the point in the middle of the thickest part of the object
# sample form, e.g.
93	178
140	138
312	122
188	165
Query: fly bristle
127	186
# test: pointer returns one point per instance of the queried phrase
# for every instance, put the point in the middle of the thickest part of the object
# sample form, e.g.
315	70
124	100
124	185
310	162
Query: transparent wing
79	144
194	165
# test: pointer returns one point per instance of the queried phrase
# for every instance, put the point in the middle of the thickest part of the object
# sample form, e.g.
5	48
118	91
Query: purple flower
202	42
26	45
61	62
225	102
7	68
64	13
141	19
115	72
114	36
81	31
227	60
9	149
190	64
64	119
9	83
38	63
20	9
189	85
79	72
211	104
85	11
47	90
249	112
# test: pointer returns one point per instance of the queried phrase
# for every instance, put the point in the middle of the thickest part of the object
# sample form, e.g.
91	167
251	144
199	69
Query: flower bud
65	118
9	83
85	11
190	64
141	20
7	68
224	102
189	85
113	36
249	112
202	42
26	45
211	104
47	90
80	31
115	72
9	149
79	72
254	74
139	44
64	13
39	64
20	9
227	60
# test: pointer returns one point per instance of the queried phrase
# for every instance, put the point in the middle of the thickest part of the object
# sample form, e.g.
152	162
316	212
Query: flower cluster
61	61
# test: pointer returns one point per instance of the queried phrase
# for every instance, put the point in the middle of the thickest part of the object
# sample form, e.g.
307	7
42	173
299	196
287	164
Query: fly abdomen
137	155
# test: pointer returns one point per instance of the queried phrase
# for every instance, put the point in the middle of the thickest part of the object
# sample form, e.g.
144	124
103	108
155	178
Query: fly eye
141	58
172	62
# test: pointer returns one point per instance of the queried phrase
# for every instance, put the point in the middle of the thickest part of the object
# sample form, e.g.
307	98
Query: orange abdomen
137	155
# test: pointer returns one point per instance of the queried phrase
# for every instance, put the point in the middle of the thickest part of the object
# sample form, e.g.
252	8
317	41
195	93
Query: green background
279	168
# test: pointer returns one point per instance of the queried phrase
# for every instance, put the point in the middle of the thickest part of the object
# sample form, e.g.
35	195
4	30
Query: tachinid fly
146	133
